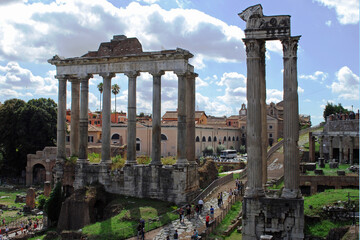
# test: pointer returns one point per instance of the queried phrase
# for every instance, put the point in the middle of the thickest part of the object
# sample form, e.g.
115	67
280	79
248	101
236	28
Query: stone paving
186	229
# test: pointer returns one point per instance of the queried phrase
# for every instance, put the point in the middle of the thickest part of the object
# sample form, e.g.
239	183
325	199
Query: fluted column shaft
321	146
131	127
61	119
291	119
75	114
351	151
156	119
254	50
106	118
181	129
331	151
190	114
341	149
264	134
84	118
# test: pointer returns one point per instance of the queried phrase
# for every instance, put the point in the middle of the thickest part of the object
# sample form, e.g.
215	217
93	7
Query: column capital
157	73
107	74
61	77
180	73
132	74
255	48
192	74
290	46
84	77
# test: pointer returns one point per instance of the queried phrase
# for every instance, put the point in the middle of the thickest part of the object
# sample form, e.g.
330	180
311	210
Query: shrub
242	149
94	157
41	201
219	149
117	162
208	151
53	205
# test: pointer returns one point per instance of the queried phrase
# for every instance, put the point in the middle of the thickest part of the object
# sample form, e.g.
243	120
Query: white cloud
37	31
200	83
274	46
235	91
328	23
318	76
273	95
347	11
300	90
212	106
14	77
347	84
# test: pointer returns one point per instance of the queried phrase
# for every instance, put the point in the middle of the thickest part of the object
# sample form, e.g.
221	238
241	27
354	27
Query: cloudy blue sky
32	31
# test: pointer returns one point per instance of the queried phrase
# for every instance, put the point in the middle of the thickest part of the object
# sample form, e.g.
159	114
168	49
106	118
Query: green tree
101	89
53	205
331	108
220	148
26	128
115	89
242	149
208	151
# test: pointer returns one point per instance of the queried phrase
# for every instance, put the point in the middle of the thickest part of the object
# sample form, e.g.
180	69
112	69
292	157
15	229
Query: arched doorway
39	174
115	138
163	146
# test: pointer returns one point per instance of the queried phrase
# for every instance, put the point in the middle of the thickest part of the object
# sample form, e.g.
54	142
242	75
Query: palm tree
115	89
100	87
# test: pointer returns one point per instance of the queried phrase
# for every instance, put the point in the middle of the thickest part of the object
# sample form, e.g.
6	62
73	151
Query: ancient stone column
181	129
75	114
351	150
156	119
61	119
331	152
321	147
106	118
254	54
84	118
131	128
341	149
291	119
190	120
264	134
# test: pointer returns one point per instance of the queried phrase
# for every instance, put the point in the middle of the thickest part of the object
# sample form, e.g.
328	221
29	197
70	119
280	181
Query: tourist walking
201	204
207	220
176	235
195	234
212	211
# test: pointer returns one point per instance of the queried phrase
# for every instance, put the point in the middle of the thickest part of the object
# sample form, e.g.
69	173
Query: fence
212	186
216	222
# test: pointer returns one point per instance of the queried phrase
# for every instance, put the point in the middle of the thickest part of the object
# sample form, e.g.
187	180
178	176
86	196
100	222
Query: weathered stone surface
70	235
47	188
83	207
207	174
310	166
340	172
336	233
30	198
20	199
50	235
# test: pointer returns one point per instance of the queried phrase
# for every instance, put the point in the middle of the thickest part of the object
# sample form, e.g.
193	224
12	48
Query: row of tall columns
291	119
254	60
79	122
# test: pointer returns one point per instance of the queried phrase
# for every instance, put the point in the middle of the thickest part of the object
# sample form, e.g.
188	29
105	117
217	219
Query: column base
130	162
291	193
181	163
156	163
82	160
254	192
106	162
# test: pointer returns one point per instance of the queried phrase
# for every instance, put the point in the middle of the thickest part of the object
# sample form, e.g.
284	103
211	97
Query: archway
39	174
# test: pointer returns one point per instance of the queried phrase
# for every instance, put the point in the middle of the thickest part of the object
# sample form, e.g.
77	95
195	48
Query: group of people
239	186
190	210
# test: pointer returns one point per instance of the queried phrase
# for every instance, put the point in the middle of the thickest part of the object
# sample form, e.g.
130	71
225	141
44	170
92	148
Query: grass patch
331	171
123	225
277	186
226	222
306	146
327	198
234	236
8	197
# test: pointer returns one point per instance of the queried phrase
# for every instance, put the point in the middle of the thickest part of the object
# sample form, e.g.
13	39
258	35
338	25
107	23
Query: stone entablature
342	126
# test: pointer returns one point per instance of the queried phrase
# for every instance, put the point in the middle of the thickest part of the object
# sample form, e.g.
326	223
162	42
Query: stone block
30	198
310	166
340	172
318	172
334	165
47	188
